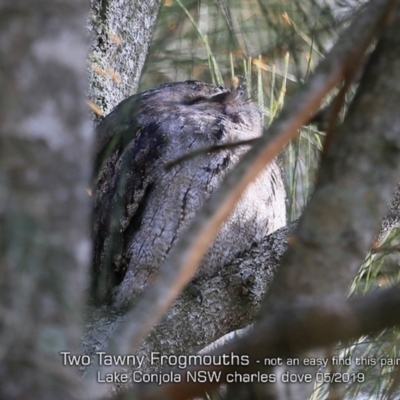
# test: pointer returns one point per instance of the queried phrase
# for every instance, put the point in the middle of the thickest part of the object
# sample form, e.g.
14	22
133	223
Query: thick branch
231	300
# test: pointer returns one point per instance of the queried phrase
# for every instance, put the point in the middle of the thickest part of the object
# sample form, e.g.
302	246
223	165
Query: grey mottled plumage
140	209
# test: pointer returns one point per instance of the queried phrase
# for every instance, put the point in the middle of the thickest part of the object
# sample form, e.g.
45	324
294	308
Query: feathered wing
123	181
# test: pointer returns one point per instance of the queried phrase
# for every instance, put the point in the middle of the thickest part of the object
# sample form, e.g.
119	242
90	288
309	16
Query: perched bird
141	208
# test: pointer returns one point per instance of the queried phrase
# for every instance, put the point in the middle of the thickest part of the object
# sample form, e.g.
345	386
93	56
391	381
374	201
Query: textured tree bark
120	37
231	300
45	141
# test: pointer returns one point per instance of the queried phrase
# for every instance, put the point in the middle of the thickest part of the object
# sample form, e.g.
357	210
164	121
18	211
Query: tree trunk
120	38
45	142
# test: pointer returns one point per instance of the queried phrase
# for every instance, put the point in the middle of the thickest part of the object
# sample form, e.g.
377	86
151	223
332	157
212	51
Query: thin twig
208	149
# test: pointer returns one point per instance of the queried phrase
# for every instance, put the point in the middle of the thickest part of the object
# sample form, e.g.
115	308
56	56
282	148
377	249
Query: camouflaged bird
141	208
